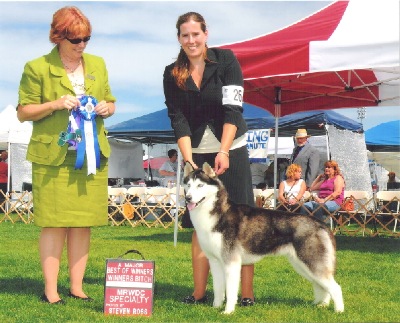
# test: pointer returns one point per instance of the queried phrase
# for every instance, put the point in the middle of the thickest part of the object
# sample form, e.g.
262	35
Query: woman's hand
102	109
192	163
319	200
68	102
221	163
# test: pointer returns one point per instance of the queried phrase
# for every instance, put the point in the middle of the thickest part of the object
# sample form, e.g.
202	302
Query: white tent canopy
126	159
12	130
15	136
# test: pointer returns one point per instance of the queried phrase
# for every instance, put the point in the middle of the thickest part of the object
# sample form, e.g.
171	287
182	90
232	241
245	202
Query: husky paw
321	304
229	309
228	312
217	303
339	309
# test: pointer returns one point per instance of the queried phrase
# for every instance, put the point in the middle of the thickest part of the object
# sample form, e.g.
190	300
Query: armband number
232	94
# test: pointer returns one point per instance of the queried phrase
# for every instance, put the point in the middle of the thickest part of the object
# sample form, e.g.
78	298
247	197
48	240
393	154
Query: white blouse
292	192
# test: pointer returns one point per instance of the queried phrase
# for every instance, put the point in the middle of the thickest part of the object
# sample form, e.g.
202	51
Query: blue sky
137	39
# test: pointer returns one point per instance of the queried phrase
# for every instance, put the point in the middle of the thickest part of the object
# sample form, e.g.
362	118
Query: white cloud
137	39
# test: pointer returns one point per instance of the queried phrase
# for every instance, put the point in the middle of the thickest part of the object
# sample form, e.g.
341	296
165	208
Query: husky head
201	185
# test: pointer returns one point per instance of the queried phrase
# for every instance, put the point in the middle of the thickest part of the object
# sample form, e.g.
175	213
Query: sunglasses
77	41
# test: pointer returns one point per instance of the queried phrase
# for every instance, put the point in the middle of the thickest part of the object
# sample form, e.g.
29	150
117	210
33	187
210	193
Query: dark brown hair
69	22
181	69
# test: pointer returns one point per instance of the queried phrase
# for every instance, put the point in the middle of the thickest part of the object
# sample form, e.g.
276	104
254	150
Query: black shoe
247	302
44	299
86	299
191	300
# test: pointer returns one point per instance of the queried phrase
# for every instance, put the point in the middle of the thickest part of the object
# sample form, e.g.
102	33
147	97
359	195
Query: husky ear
187	169
208	170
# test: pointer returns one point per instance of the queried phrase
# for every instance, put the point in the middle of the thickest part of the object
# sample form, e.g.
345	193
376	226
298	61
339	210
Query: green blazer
44	79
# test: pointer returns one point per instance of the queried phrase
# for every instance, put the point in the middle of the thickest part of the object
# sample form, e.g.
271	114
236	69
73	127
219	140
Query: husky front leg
232	274
218	277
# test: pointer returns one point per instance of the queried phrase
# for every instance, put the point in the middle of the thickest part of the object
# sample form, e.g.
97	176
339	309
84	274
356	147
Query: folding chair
157	206
361	200
269	198
388	205
136	198
19	206
181	207
116	200
3	205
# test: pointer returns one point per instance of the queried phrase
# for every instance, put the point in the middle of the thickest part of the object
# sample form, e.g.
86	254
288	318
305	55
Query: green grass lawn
368	270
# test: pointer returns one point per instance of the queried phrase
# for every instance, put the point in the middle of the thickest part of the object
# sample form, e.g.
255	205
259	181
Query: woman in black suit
204	94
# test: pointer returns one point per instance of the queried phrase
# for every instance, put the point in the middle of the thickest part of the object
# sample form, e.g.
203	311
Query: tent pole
328	150
178	189
8	165
277	115
149	175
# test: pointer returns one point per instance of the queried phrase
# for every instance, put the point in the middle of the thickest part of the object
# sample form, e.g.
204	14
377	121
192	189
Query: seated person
392	184
331	192
292	189
3	174
169	169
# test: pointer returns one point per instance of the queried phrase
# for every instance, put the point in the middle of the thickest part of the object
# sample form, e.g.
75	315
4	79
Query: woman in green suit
70	192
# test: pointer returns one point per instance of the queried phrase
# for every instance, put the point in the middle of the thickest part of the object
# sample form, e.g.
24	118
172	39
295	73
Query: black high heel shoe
44	299
247	302
191	300
85	299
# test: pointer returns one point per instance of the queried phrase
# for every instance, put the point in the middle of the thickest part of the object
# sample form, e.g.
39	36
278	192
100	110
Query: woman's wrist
224	153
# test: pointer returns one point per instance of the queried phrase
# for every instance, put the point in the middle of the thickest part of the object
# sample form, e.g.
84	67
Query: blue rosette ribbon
85	120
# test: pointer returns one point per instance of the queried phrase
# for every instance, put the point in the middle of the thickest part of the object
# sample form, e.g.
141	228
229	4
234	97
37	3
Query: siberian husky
231	235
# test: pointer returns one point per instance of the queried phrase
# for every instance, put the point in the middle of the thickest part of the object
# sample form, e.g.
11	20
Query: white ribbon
89	141
74	125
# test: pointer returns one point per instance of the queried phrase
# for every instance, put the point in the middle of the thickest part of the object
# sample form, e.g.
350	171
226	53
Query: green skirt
67	197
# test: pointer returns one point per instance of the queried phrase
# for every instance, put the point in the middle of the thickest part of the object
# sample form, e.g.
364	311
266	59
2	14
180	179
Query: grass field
368	270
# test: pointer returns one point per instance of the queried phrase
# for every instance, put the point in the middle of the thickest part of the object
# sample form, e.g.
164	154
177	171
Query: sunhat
301	133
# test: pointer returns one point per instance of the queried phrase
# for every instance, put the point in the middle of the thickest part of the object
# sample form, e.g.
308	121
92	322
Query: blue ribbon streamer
86	112
96	144
81	149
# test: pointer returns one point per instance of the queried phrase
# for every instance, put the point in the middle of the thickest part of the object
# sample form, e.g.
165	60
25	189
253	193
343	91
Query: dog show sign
129	287
257	145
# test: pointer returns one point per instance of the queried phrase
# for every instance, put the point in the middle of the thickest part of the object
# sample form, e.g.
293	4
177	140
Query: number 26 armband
232	94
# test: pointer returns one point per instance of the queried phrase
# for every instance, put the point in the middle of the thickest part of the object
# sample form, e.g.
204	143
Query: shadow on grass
185	236
29	286
20	286
368	244
364	244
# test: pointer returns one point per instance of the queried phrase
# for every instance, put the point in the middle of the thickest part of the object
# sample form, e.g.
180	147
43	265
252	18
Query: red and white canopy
345	55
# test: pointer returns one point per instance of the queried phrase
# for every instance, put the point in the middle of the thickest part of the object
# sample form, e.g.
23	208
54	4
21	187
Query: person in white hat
305	155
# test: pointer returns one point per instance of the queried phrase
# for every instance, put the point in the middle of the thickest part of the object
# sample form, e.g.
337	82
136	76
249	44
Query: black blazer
191	110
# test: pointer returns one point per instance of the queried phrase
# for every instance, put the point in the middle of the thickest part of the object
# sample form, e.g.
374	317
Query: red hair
334	165
69	22
292	169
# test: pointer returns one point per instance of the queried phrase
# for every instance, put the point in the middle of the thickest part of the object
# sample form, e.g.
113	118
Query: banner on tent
257	145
